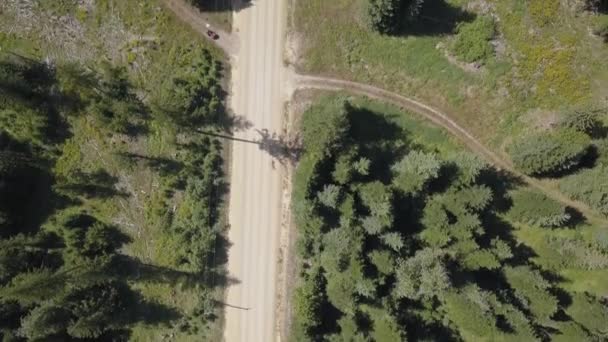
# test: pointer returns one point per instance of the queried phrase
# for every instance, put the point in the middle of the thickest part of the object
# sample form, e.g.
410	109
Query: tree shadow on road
221	5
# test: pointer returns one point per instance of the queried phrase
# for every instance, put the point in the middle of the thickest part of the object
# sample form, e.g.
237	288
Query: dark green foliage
472	42
550	152
590	313
192	98
415	170
533	291
377	198
323	131
383	15
385	327
384	261
394	242
198	226
45	321
479	315
422	276
97	308
83	312
585	121
61	274
451	222
471	313
309	300
115	103
468	168
329	196
537	209
86	237
387	16
589	186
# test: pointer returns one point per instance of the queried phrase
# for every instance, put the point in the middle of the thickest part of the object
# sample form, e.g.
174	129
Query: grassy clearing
545	58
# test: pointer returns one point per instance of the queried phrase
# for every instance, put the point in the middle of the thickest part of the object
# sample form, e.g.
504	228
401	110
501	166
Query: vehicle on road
213	35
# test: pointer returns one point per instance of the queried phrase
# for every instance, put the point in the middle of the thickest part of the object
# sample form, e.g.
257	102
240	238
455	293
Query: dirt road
258	93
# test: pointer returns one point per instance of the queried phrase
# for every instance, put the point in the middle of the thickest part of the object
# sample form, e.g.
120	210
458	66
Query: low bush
472	42
387	16
537	209
548	153
585	121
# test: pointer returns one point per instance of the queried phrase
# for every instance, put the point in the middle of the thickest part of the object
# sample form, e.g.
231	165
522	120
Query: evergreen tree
422	276
45	321
533	291
415	170
550	152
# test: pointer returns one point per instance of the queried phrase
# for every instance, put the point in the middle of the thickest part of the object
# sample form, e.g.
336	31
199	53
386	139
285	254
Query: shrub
537	209
309	300
415	170
385	16
589	186
585	121
382	15
324	127
472	42
550	152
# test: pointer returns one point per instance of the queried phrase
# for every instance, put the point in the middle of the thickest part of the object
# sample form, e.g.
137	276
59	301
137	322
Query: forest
110	196
403	239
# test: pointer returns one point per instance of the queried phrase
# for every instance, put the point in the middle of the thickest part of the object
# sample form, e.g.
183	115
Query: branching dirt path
443	120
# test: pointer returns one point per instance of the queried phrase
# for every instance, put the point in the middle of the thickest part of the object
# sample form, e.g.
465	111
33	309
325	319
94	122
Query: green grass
549	61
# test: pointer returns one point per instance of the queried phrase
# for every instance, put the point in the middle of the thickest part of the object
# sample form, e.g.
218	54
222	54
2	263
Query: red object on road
213	35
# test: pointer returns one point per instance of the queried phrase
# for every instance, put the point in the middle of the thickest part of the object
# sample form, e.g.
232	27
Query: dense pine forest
110	197
403	236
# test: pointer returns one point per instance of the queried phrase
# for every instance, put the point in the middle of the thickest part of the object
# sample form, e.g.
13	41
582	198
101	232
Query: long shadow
27	83
377	136
221	5
132	269
437	17
278	146
235	123
98	184
164	166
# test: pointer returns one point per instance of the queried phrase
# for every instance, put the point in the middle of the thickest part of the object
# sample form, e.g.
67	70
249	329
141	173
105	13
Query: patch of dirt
540	120
293	44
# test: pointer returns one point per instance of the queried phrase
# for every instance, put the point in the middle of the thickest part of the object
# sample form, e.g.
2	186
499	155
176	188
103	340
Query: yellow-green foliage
543	12
71	158
553	73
